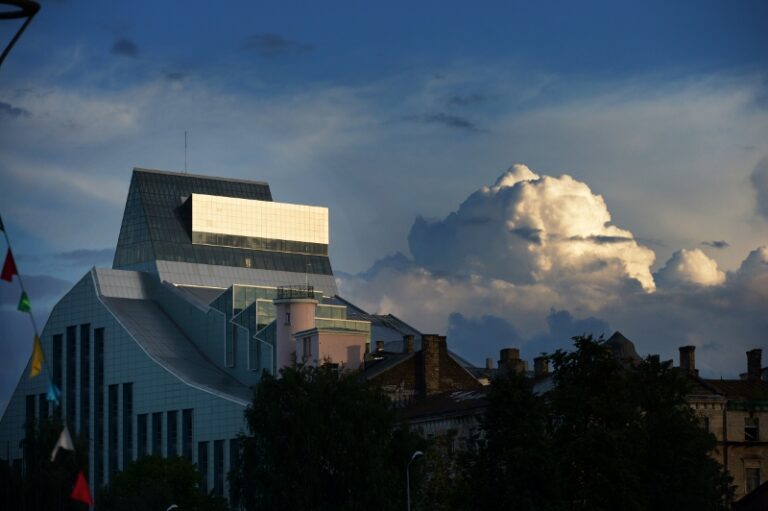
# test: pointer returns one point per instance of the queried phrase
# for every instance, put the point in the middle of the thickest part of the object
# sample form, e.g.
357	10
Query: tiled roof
446	403
752	390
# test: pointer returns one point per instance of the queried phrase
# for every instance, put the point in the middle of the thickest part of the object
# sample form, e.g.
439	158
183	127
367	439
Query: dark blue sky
387	111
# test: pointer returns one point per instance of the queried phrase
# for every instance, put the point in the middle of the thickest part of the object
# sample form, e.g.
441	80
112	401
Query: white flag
64	442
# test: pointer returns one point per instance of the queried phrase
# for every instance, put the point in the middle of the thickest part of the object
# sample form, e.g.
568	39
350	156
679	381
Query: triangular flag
81	491
9	267
64	442
37	358
54	394
24	304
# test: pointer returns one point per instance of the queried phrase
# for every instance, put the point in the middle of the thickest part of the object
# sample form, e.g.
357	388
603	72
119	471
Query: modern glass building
212	284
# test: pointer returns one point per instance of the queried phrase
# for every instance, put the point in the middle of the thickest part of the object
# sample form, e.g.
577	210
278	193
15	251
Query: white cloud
530	229
691	267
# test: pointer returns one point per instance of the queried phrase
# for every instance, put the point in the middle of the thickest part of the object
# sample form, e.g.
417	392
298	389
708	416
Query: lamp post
23	9
408	478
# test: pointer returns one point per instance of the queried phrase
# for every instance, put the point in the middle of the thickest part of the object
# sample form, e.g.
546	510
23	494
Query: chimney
408	344
431	346
489	363
540	366
509	360
379	346
754	364
688	360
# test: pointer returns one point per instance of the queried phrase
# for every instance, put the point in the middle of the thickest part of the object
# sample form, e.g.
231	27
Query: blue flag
53	393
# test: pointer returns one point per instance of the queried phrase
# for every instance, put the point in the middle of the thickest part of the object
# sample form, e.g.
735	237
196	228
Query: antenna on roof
185	151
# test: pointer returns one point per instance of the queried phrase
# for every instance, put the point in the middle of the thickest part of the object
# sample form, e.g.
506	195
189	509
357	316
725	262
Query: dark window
187	433
85	379
71	402
112	427
307	347
157	433
705	423
218	468
127	423
752	478
287	314
58	352
141	435
30	415
234	457
98	406
202	465
751	429
229	355
42	403
173	433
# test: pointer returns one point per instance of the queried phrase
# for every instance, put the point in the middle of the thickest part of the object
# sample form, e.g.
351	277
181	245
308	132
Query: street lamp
408	478
23	9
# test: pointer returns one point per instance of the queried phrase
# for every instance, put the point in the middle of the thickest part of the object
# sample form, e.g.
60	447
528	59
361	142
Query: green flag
24	303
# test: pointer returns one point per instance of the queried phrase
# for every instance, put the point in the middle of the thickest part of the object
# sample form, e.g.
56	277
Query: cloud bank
531	260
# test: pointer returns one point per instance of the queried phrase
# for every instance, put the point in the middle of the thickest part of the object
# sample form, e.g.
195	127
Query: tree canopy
44	484
321	440
607	435
154	482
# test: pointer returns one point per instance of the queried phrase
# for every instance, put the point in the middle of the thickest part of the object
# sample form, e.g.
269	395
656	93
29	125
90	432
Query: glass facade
216	214
71	387
127	423
157	225
254	243
85	380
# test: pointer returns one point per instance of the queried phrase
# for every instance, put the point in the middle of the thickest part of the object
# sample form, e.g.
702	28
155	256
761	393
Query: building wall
735	452
343	348
154	390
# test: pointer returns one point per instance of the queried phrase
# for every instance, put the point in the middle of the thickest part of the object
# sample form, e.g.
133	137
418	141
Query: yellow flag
37	358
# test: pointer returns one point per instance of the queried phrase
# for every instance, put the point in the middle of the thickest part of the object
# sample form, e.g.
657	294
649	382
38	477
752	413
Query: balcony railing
295	291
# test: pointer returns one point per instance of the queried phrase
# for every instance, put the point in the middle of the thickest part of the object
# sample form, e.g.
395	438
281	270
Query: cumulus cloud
690	267
532	260
759	180
528	229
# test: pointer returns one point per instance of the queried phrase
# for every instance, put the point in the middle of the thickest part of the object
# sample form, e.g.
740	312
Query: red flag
81	491
9	268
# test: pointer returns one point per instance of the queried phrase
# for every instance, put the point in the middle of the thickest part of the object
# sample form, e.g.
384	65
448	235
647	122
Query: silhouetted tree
607	435
154	482
42	484
321	440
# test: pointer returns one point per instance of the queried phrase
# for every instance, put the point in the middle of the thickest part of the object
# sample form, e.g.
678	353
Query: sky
508	175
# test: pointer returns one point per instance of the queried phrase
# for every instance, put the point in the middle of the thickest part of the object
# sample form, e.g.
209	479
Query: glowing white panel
259	219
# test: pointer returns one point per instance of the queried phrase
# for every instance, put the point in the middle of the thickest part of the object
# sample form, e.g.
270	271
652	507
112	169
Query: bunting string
10	269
